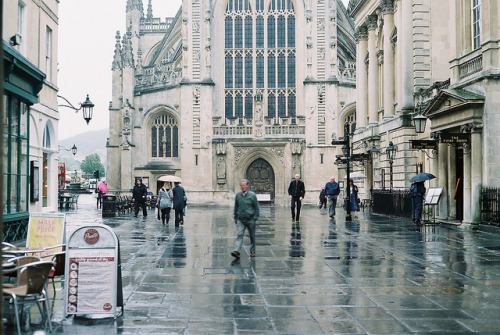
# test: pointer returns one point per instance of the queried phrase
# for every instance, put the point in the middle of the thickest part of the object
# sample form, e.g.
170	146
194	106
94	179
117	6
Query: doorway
261	176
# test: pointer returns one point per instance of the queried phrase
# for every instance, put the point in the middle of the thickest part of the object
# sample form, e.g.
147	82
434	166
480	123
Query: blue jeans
240	227
332	199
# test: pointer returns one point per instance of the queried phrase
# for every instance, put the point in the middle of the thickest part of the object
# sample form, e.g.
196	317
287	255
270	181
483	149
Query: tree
91	163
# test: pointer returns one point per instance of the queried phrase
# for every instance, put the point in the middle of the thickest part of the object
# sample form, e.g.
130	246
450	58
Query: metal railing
394	203
490	208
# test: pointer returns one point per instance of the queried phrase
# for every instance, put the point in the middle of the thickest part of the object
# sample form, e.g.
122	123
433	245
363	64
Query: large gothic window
260	56
165	137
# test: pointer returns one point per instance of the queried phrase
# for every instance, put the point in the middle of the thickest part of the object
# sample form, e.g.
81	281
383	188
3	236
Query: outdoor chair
30	287
12	272
57	271
74	200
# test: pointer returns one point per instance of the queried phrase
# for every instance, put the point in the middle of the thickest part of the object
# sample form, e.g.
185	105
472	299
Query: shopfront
22	83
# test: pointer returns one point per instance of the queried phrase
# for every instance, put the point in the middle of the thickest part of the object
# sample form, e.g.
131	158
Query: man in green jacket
246	213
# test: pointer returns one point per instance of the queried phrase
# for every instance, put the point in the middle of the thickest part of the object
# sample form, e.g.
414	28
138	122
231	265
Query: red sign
91	236
107	307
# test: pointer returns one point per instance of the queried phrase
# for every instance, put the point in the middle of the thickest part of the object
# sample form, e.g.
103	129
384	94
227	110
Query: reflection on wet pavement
375	275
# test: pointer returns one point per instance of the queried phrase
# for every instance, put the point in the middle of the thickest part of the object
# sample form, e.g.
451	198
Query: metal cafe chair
29	288
12	267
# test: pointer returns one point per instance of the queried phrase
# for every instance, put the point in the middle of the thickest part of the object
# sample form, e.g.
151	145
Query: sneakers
235	254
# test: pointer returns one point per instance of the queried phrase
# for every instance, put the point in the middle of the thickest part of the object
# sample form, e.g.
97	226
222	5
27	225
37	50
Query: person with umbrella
179	202
102	188
417	192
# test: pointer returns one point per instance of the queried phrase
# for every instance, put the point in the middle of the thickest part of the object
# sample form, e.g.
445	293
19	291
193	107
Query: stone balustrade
155	25
471	66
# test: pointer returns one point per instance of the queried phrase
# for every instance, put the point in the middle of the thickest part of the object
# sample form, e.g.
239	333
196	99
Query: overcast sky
87	30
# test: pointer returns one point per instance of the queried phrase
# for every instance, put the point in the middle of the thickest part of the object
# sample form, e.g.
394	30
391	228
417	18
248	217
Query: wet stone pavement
374	275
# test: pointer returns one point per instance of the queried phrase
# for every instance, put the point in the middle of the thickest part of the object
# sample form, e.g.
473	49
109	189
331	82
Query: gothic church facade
231	89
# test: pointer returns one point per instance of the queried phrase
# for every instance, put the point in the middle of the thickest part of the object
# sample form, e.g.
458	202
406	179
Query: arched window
351	119
164	137
260	55
46	137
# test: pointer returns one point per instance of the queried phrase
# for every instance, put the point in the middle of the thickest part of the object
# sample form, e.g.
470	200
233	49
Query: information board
91	268
46	230
263	197
433	195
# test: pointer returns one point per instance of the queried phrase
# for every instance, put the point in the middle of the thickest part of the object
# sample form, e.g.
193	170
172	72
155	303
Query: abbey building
231	89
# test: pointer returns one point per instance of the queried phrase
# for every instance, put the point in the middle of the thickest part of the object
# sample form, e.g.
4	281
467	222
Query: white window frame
48	53
476	33
21	25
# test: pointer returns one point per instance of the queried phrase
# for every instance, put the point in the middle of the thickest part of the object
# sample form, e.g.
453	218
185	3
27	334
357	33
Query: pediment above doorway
453	108
448	101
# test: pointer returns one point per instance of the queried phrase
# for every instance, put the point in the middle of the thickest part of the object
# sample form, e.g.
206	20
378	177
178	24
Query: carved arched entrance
261	176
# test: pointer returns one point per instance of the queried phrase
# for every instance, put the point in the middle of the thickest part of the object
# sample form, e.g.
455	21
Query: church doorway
261	176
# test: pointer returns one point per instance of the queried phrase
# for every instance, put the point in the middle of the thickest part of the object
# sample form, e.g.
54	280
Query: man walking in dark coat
139	194
417	192
246	213
179	203
332	190
296	191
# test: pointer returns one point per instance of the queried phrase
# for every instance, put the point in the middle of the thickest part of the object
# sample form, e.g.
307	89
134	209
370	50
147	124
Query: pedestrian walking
353	198
179	202
417	191
296	191
322	198
165	197
101	189
139	194
246	213
332	191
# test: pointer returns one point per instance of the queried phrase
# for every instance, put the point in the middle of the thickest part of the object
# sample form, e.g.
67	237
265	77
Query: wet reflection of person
296	249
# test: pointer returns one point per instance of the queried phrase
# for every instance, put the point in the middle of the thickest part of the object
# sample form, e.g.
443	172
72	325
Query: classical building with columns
438	58
231	89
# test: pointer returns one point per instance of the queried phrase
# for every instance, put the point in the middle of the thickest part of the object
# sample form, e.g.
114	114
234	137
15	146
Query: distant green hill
87	143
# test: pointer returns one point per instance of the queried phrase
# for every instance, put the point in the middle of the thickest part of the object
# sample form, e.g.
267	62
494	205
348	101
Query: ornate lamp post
346	149
391	153
87	107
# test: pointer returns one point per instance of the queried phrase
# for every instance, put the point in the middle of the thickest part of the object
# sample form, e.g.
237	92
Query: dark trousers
165	215
143	204
99	199
322	203
179	213
416	208
296	202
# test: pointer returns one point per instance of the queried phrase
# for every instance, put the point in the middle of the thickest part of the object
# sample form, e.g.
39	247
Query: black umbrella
422	177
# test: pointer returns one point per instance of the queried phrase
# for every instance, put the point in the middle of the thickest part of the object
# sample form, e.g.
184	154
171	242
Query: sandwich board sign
91	272
46	230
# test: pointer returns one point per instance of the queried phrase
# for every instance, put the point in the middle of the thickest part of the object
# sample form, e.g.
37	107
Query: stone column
388	11
443	180
476	173
467	187
371	22
452	181
361	77
406	46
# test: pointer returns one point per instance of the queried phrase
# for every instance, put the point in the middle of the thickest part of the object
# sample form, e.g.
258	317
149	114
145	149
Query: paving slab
374	275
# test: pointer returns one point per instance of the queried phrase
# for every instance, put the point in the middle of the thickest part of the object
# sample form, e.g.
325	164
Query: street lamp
73	149
87	107
391	153
419	122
